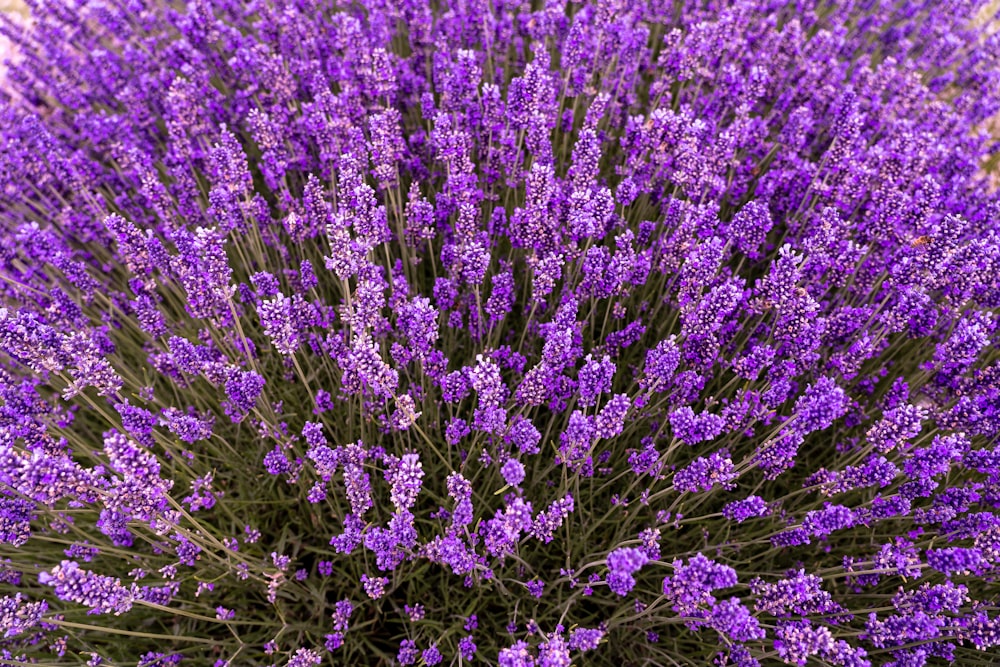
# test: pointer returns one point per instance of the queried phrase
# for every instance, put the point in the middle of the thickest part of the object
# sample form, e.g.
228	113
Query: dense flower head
100	593
692	585
17	615
428	333
622	564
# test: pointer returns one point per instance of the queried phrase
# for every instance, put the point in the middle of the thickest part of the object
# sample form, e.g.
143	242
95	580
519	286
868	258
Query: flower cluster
526	334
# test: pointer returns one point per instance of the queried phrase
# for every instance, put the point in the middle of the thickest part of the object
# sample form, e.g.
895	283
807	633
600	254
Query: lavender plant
514	333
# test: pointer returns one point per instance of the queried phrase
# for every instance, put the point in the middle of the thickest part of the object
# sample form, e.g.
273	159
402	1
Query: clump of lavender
508	333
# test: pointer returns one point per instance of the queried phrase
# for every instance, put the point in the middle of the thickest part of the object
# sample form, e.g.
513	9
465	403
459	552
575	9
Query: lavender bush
512	333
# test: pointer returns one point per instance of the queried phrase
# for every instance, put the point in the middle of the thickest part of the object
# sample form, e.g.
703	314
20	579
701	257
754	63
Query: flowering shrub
639	333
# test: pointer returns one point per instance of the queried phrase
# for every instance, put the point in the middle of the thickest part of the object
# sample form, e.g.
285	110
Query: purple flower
536	587
243	388
595	379
705	472
622	564
467	647
734	620
305	657
102	594
610	421
749	228
585	639
517	655
690	587
954	560
277	317
405	478
17	615
513	472
798	640
374	586
554	653
741	510
408	652
545	524
692	428
15	520
431	656
800	593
